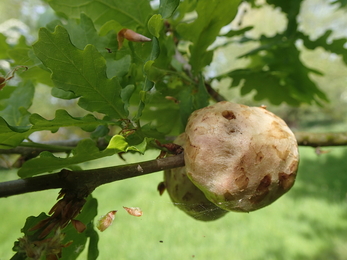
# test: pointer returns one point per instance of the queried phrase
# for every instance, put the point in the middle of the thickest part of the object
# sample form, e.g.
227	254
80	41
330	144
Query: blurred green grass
309	222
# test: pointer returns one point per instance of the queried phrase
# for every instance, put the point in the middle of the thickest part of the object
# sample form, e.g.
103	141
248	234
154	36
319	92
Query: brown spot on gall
283	155
264	184
258	197
188	196
286	181
228	114
228	196
259	157
277	131
242	181
294	166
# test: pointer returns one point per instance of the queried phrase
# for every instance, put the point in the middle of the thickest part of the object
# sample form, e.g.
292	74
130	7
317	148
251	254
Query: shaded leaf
15	112
93	251
11	136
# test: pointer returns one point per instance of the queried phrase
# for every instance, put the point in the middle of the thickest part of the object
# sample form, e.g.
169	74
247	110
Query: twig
89	179
321	139
96	177
213	93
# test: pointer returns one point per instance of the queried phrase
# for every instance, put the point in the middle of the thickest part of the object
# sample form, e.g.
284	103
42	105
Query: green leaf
93	251
212	16
62	118
141	147
5	95
341	3
201	97
117	142
12	136
86	150
168	7
153	73
155	49
111	25
19	101
147	85
277	62
60	93
3	47
82	32
233	33
130	13
120	67
126	94
155	24
336	46
80	72
186	104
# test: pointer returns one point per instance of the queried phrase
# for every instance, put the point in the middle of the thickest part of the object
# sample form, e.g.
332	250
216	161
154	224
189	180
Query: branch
213	93
321	139
89	179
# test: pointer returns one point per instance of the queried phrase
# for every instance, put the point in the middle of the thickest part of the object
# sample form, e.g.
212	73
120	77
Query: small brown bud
134	211
105	221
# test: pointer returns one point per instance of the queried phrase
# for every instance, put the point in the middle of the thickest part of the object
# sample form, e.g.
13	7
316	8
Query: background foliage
132	95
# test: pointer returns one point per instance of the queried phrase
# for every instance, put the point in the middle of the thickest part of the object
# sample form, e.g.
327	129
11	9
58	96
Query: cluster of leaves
146	90
275	70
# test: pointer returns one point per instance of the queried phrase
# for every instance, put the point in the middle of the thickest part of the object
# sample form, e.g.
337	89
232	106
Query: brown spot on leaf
228	114
242	181
286	181
264	184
